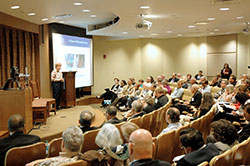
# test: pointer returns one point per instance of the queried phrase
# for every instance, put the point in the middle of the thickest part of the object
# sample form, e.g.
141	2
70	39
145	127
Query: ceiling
168	15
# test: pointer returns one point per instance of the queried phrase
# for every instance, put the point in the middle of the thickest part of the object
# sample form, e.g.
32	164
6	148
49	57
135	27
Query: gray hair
195	86
86	118
127	129
230	88
72	138
137	106
108	137
16	123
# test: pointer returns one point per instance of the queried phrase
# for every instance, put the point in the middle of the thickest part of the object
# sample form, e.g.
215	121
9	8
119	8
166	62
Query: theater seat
55	147
136	121
165	146
153	123
89	141
20	156
77	163
223	159
196	124
240	153
205	163
146	121
119	128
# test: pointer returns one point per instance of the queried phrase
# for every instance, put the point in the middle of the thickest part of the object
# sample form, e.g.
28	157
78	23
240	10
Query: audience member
162	99
127	129
173	78
86	118
242	80
136	110
242	99
196	99
226	71
172	117
245	132
223	86
195	149
189	84
179	77
232	80
110	115
140	82
72	139
206	104
199	75
227	96
201	80
205	87
148	104
166	86
225	135
215	82
178	91
141	149
17	138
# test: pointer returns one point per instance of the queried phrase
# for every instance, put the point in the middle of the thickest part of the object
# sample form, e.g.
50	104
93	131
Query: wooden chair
239	153
136	121
187	95
206	120
165	146
77	163
160	121
39	108
177	147
154	140
89	141
26	154
55	147
196	124
119	128
146	121
205	163
153	123
51	102
223	159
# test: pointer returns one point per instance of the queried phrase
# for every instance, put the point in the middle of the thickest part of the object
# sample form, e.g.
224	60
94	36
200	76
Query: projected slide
75	54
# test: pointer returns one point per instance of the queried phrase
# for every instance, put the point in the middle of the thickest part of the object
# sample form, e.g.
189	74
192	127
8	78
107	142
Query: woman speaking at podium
57	80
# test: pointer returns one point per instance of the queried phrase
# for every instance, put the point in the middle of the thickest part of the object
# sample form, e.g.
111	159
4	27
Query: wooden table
4	134
39	110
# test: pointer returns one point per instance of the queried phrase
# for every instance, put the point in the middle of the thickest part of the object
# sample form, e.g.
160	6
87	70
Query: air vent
62	16
225	1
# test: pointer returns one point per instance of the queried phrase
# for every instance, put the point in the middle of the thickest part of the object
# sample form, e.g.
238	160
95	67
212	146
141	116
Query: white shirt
171	126
56	76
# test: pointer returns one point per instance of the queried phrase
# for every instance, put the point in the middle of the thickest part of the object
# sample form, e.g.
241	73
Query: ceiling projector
143	24
247	28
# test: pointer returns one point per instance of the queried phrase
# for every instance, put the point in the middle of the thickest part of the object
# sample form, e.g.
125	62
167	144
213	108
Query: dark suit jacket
245	133
175	79
149	162
148	108
196	99
85	129
16	140
161	101
196	157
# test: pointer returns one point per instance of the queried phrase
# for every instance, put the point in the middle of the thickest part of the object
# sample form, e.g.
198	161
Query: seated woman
207	102
135	95
227	96
108	138
166	86
172	118
110	94
223	134
148	104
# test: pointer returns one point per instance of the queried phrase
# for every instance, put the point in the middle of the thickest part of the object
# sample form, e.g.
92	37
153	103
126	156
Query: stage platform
65	118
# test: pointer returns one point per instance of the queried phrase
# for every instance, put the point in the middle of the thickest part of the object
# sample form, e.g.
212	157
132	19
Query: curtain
21	49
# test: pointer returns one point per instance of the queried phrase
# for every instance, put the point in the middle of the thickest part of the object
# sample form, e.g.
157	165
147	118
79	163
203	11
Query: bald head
140	144
86	118
16	123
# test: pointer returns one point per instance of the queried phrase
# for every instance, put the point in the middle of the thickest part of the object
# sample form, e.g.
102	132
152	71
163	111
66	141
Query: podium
16	102
68	98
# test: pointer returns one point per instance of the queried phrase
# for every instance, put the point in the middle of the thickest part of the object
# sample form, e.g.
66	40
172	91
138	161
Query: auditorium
124	83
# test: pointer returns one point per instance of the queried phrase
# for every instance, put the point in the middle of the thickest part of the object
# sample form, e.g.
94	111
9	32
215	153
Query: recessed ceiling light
61	22
216	30
85	10
93	16
179	34
239	17
77	3
45	19
151	16
145	7
154	34
224	9
191	26
31	14
201	23
169	31
141	36
15	7
211	19
124	32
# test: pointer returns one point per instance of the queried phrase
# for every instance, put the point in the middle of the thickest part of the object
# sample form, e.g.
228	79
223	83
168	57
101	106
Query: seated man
232	80
223	86
245	132
173	78
215	82
136	111
195	149
196	99
162	99
110	115
141	149
72	139
178	91
189	84
205	87
199	75
86	118
172	118
17	138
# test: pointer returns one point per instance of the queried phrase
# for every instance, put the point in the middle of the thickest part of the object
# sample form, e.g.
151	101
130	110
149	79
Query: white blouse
56	76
